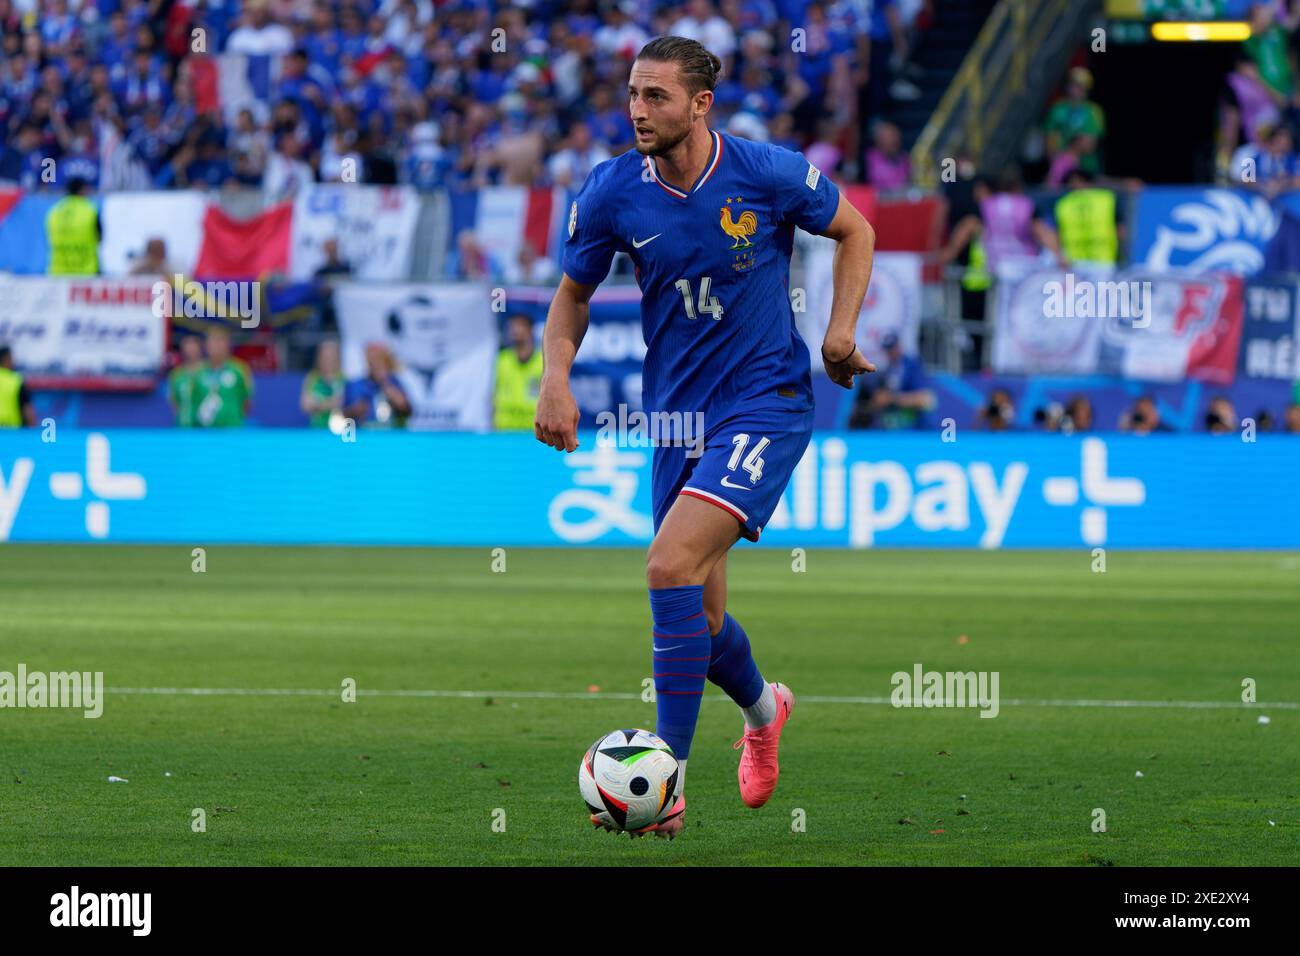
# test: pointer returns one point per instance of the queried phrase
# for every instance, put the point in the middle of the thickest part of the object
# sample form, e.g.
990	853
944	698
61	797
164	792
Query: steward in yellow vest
1085	222
72	230
15	398
519	377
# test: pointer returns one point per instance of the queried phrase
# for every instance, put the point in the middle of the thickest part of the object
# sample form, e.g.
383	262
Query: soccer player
708	220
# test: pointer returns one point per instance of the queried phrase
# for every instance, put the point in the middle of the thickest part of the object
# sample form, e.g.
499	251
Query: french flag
231	81
504	218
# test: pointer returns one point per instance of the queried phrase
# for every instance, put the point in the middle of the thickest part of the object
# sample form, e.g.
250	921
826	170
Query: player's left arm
855	244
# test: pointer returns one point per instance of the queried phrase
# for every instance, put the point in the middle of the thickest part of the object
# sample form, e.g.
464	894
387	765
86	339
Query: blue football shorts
743	469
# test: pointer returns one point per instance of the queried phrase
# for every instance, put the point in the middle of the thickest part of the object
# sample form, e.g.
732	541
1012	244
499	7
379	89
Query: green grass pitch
307	778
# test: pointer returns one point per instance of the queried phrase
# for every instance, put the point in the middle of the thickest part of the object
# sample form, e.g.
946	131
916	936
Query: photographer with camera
1143	418
998	412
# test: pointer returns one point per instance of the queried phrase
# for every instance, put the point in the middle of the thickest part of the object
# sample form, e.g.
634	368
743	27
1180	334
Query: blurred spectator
1074	416
327	273
182	383
22	160
748	126
701	22
249	146
1050	416
1221	417
888	166
377	400
1074	156
223	392
1267	46
1087	220
1250	110
896	397
257	34
324	387
1276	166
998	413
569	167
286	173
519	375
469	260
1008	228
1075	115
1292	419
1244	164
73	233
531	268
1143	418
153	261
16	408
1078	415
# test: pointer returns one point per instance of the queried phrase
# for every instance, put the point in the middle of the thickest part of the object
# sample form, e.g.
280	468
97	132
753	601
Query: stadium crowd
1260	109
128	94
141	94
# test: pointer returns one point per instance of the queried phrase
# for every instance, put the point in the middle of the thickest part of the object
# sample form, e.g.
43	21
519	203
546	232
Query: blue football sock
681	662
731	665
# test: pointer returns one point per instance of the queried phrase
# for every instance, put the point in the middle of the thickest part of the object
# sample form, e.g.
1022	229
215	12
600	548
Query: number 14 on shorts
753	462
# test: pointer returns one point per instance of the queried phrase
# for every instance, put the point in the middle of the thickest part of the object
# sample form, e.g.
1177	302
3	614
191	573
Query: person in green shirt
323	388
183	381
224	389
519	376
1267	46
1074	115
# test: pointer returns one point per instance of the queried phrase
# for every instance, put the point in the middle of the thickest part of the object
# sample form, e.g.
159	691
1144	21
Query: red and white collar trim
704	177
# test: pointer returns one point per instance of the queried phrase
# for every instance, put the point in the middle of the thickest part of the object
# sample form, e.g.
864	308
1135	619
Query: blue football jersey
713	265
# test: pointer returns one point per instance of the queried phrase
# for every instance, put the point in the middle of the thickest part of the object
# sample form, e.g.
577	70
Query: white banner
445	340
1135	324
131	219
82	333
1032	338
892	305
374	226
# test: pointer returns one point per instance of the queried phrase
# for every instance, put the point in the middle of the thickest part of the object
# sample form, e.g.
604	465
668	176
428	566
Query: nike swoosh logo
673	648
638	245
728	484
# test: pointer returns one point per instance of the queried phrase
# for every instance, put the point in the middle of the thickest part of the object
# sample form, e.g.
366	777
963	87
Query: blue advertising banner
1203	228
850	490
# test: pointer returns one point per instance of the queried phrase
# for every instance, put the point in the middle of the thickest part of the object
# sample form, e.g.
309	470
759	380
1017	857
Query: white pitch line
614	695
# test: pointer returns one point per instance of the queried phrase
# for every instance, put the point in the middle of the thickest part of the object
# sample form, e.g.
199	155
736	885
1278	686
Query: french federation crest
739	227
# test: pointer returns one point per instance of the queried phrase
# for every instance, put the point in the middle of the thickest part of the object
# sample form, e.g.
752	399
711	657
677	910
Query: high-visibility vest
1085	220
976	278
11	383
516	391
73	239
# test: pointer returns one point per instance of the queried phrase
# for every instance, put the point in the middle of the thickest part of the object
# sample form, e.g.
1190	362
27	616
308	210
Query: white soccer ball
628	779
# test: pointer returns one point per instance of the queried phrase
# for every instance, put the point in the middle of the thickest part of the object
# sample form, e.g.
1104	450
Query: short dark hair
698	66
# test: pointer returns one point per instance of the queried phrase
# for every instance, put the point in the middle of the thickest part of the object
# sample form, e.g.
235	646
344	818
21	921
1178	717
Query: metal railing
1001	84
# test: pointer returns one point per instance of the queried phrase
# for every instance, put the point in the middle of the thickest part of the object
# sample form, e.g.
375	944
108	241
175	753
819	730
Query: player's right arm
556	421
588	252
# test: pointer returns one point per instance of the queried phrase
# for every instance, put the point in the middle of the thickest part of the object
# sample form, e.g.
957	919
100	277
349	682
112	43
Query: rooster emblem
739	229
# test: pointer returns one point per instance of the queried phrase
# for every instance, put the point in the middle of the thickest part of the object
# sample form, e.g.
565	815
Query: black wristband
838	361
